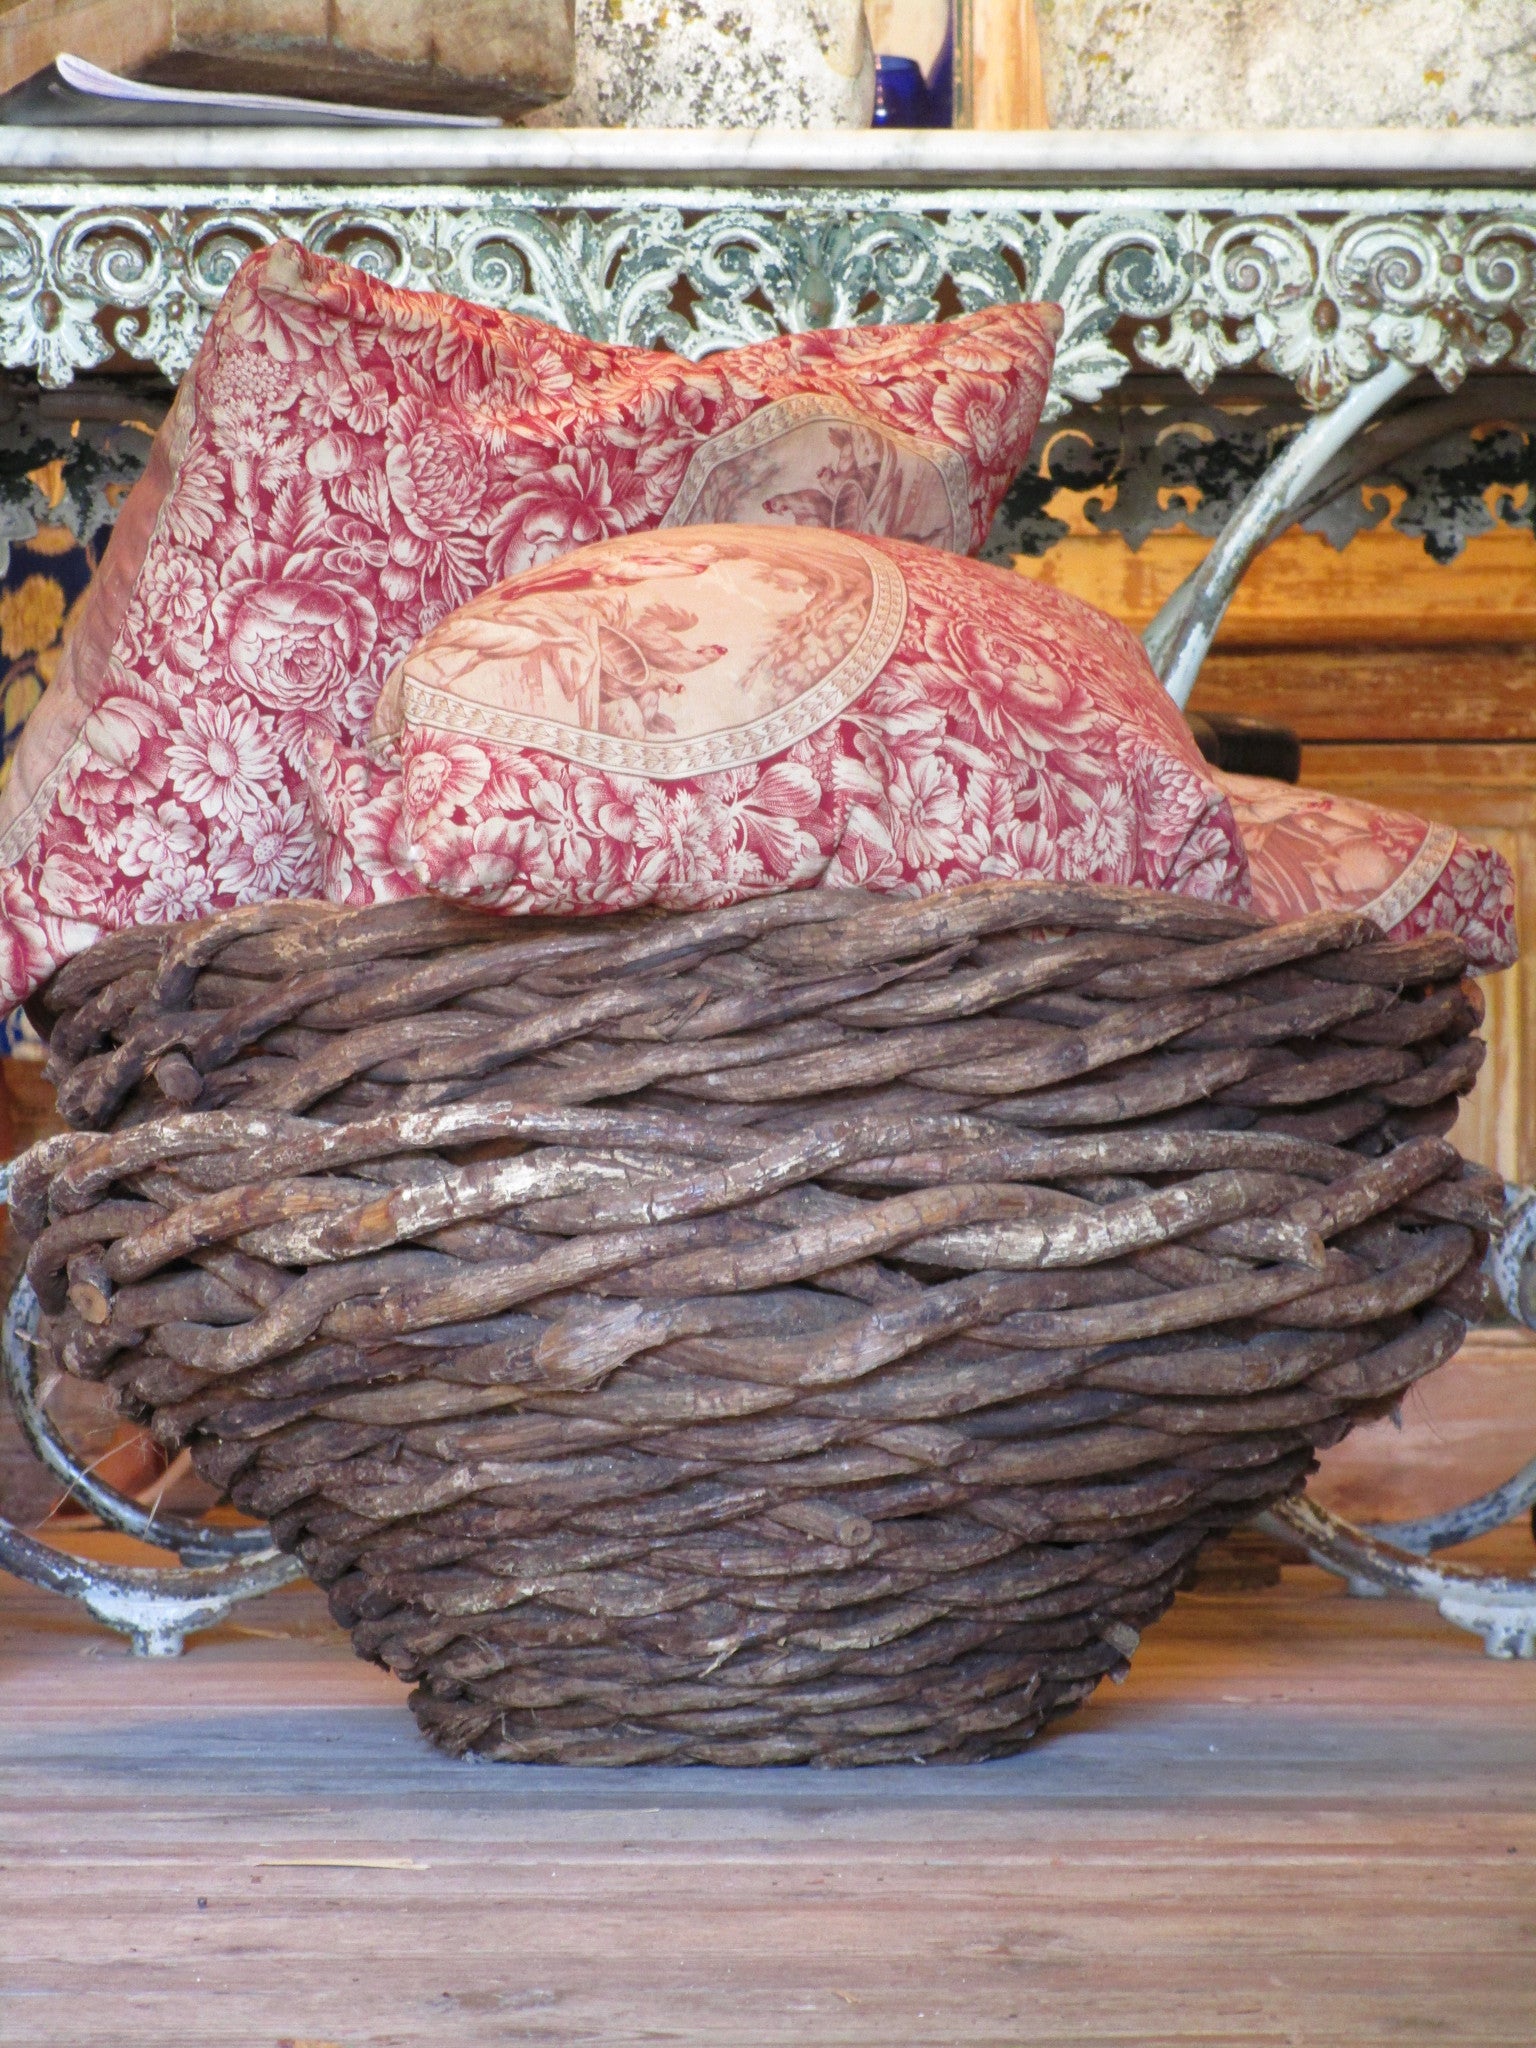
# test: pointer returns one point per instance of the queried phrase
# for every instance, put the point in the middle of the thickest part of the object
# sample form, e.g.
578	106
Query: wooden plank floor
1303	1820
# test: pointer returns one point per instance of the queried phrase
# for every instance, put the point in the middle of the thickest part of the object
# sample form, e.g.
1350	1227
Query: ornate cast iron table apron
1345	264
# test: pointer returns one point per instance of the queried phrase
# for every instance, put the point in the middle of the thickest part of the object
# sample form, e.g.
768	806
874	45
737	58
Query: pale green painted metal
1320	287
1180	637
193	1542
156	1609
1500	1610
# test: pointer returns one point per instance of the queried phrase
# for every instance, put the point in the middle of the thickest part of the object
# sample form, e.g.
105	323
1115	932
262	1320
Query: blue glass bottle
904	98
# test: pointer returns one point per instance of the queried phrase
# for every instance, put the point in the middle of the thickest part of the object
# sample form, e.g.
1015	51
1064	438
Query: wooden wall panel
1490	793
1380	591
1445	692
1411	683
1000	83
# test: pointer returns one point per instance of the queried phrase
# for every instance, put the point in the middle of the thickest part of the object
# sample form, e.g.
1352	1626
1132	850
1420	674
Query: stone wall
719	64
1287	63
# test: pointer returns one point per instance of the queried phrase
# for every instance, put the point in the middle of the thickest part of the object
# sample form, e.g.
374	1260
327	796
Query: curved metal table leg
1507	1258
1179	638
1391	1557
1500	1610
1385	1558
156	1610
193	1542
1472	1519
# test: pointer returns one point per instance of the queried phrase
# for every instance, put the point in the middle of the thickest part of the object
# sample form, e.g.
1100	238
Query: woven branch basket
819	1330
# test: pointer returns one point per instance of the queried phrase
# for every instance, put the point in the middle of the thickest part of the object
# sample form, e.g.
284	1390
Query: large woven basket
818	1330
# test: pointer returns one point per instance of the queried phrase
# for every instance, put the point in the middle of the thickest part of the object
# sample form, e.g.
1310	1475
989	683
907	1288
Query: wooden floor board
1303	1820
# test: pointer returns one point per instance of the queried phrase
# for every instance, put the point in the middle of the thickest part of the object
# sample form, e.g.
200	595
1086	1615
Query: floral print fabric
1308	850
689	719
348	463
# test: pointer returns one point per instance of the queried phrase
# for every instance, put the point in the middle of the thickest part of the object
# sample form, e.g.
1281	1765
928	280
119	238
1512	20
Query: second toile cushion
687	719
1311	850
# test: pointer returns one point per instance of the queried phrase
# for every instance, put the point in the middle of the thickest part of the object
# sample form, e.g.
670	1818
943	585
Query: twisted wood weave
822	1329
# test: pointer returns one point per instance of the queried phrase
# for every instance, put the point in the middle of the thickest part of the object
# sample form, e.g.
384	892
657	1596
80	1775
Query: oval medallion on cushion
686	719
710	651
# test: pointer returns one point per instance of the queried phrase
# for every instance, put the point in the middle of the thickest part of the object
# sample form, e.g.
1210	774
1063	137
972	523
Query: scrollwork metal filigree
1143	465
1327	304
1319	290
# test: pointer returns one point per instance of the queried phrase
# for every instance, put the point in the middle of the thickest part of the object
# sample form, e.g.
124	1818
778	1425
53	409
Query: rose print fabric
348	463
688	719
1310	851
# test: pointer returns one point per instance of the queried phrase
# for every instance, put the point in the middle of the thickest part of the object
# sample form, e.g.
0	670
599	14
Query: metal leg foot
1500	1610
156	1610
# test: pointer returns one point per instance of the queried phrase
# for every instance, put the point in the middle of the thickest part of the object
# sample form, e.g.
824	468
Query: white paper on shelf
107	85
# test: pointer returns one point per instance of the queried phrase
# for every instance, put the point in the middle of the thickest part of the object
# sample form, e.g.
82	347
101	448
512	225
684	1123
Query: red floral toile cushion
347	463
1308	850
692	718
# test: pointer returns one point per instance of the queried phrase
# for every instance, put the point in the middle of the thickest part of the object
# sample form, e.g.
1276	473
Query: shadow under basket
821	1330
